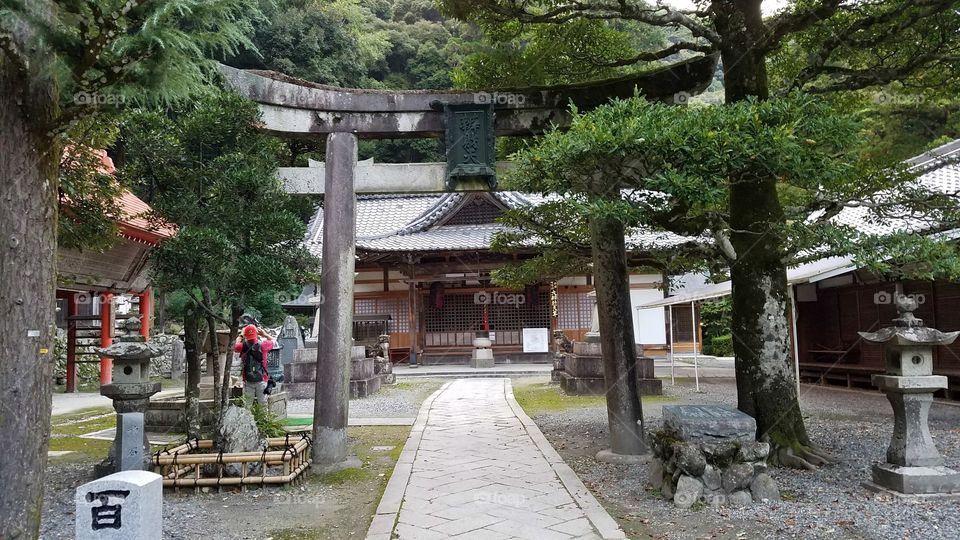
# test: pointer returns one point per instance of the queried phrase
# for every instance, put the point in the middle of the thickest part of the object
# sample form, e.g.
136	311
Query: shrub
722	345
269	424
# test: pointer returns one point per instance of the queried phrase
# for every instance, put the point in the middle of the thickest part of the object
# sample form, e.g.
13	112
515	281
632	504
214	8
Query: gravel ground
335	509
401	400
827	503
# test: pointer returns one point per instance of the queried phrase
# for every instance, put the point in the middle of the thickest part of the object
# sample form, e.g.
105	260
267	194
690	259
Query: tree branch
661	54
659	15
797	20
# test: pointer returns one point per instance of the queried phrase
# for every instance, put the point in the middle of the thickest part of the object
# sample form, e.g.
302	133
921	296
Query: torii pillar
332	398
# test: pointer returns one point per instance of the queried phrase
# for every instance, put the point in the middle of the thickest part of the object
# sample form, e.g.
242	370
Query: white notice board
536	339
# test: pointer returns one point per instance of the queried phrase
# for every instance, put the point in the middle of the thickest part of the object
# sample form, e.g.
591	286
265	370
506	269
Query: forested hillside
415	44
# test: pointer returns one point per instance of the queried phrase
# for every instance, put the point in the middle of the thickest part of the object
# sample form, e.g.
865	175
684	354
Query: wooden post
412	312
106	336
71	342
146	311
332	397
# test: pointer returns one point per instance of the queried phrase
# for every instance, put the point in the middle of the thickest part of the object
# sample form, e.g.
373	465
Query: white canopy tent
810	272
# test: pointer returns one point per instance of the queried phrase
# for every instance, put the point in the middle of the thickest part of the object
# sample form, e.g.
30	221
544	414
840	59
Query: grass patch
297	533
89	448
539	398
82	428
79	415
347	476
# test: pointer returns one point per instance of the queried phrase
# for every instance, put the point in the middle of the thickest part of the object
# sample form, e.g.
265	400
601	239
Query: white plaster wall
648	324
573	280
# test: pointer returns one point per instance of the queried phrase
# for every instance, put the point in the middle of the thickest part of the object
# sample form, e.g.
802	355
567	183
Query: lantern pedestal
914	466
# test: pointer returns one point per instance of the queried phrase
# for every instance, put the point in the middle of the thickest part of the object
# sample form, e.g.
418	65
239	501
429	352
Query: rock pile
708	454
722	473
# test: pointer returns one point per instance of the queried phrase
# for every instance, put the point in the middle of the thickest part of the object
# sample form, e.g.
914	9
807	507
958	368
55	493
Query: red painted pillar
146	311
106	339
71	342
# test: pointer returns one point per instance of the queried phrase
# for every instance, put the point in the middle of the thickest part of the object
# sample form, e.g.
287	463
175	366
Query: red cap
250	332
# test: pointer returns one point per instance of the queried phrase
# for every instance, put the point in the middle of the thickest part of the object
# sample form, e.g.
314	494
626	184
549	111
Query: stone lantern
914	466
130	391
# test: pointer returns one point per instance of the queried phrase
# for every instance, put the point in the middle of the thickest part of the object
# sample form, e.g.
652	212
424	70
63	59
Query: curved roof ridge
430	216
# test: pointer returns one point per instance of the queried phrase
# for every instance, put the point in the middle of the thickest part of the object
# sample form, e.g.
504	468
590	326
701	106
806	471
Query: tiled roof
939	172
444	238
398	223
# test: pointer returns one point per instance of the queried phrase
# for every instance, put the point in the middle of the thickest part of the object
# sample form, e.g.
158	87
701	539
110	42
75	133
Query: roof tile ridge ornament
907	329
430	216
936	158
512	199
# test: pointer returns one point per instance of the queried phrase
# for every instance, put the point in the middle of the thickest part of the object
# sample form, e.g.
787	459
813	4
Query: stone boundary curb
605	525
381	528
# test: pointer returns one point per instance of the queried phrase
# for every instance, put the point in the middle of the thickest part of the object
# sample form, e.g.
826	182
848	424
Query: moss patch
540	398
82	428
94	449
79	415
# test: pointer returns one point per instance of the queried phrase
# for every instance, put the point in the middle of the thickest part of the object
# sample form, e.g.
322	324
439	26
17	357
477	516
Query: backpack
252	362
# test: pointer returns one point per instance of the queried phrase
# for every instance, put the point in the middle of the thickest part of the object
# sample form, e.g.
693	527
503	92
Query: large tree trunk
766	388
28	246
191	347
611	280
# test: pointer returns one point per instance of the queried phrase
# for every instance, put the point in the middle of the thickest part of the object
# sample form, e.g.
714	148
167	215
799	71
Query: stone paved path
476	466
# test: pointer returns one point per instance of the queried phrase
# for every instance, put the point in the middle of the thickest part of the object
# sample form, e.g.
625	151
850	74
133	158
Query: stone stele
120	506
708	423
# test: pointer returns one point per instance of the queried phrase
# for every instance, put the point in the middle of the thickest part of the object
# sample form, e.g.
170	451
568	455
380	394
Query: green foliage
580	50
268	424
206	168
108	53
721	345
673	167
88	194
715	322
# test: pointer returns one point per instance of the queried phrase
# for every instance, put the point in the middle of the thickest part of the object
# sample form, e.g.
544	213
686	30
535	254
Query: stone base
481	362
917	480
388	378
301	390
351	462
582	386
163	415
362	388
555	376
650	387
609	456
594	386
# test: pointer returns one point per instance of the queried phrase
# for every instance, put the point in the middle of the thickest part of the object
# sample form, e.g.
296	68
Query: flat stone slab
708	423
917	480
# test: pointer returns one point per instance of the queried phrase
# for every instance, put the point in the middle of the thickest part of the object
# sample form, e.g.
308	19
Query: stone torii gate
468	122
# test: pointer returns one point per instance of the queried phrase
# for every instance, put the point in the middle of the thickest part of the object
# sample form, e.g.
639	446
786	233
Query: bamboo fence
180	466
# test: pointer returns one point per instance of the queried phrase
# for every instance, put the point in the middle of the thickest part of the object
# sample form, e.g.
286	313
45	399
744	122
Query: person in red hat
253	360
